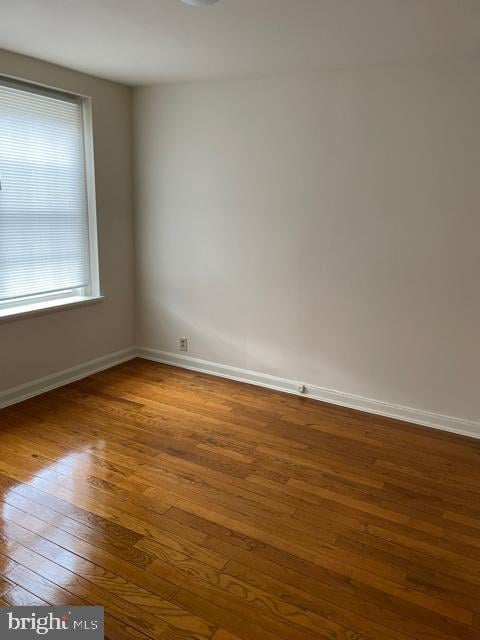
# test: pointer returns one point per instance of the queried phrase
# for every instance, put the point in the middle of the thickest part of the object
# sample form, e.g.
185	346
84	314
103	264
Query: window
48	245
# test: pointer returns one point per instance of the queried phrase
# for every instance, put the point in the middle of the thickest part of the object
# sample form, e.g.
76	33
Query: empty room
239	319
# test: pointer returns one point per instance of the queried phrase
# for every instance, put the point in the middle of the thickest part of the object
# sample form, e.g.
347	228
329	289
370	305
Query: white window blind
44	242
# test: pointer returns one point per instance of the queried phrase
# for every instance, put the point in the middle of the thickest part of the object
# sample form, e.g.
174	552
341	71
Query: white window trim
86	295
36	308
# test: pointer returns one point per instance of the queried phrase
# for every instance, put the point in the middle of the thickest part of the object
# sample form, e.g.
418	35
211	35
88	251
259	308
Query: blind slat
43	204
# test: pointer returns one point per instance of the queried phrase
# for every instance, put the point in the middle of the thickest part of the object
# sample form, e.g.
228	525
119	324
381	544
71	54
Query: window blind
44	245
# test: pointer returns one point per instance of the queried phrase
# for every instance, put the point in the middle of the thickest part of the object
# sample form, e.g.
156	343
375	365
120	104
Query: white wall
38	346
323	228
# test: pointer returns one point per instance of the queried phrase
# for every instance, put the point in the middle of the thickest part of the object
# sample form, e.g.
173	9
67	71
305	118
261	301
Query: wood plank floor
195	507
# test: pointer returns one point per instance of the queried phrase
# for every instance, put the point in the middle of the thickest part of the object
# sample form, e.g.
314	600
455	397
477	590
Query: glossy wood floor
195	507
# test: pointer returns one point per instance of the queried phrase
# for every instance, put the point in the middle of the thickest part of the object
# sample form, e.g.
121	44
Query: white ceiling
148	41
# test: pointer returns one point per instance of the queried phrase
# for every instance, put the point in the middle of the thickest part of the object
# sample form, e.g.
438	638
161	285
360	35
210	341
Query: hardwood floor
195	507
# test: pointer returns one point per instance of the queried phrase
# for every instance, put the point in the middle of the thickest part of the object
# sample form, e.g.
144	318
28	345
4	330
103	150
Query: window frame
39	303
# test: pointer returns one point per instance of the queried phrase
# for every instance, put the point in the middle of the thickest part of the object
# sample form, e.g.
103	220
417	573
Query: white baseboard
41	385
407	414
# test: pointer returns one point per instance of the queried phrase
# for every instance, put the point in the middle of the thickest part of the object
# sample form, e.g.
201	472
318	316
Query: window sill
36	308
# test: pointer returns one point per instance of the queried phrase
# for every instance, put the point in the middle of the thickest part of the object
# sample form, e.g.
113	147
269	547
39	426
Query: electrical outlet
183	344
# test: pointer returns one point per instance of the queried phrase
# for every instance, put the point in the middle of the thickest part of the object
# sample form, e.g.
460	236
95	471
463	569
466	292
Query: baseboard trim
407	414
41	385
398	412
